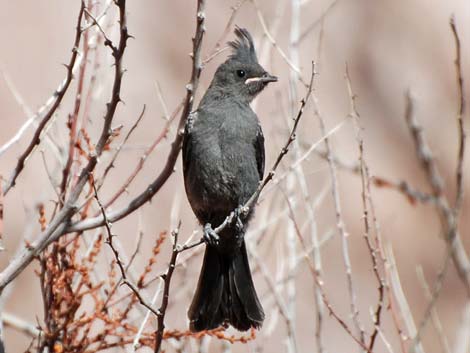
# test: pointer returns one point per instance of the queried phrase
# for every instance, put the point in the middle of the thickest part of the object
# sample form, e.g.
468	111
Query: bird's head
241	74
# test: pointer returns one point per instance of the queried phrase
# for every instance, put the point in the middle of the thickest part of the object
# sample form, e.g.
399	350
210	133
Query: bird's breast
222	173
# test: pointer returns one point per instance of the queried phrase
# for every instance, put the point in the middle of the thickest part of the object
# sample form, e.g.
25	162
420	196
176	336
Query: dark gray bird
223	163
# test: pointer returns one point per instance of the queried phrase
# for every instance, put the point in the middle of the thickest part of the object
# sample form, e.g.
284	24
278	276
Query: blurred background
389	47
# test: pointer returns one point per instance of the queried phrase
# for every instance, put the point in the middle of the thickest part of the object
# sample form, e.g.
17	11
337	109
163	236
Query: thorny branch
446	214
58	95
143	158
109	241
72	122
366	200
402	186
449	216
460	122
284	150
245	209
72	192
168	169
166	292
341	227
57	227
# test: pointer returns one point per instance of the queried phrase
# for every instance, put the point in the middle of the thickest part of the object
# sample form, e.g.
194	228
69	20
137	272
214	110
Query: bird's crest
243	47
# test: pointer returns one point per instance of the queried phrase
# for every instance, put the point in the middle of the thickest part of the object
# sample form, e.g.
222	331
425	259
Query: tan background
390	46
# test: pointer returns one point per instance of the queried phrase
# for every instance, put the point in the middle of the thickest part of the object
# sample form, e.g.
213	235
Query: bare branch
167	280
460	121
433	312
119	148
32	117
447	215
292	136
366	198
405	310
276	46
58	95
341	227
168	169
109	241
20	325
57	227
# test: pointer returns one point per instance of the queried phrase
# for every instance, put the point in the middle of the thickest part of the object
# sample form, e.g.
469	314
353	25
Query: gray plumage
223	163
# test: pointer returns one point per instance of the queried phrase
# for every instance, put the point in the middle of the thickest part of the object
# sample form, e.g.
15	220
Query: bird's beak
266	78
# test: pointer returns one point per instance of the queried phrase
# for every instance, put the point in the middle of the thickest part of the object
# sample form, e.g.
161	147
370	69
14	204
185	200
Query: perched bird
223	163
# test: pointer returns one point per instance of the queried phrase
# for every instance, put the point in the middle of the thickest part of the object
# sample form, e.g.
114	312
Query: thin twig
434	315
119	149
32	117
412	194
138	243
341	227
460	121
136	344
58	225
109	241
367	227
279	301
72	122
168	169
20	325
434	296
446	214
217	49
276	46
140	164
58	95
462	341
166	289
318	21
405	310
246	207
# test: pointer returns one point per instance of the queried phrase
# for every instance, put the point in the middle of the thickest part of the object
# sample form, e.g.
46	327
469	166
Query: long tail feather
225	293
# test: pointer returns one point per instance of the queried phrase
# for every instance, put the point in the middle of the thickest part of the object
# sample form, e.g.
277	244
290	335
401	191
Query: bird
223	164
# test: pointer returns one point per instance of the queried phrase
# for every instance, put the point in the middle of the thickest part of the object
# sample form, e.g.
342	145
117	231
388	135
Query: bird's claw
239	212
210	236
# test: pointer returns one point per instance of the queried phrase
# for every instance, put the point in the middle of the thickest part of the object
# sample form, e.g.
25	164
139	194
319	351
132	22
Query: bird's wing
259	150
186	148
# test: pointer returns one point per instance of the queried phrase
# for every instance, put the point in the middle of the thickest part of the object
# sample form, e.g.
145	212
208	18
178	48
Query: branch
341	226
72	122
119	148
412	194
58	95
140	164
168	169
32	117
446	214
461	129
400	297
245	209
166	291
18	324
58	226
276	46
449	217
366	205
109	241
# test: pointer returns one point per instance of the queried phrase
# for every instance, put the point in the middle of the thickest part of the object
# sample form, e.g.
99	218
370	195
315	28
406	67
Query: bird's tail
225	293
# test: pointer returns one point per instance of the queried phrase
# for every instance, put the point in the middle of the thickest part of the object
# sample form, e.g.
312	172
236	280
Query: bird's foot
210	236
239	213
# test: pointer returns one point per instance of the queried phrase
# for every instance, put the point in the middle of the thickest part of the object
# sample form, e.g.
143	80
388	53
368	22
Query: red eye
241	73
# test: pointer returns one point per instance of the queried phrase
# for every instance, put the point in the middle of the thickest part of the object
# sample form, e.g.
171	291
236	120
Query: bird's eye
241	73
